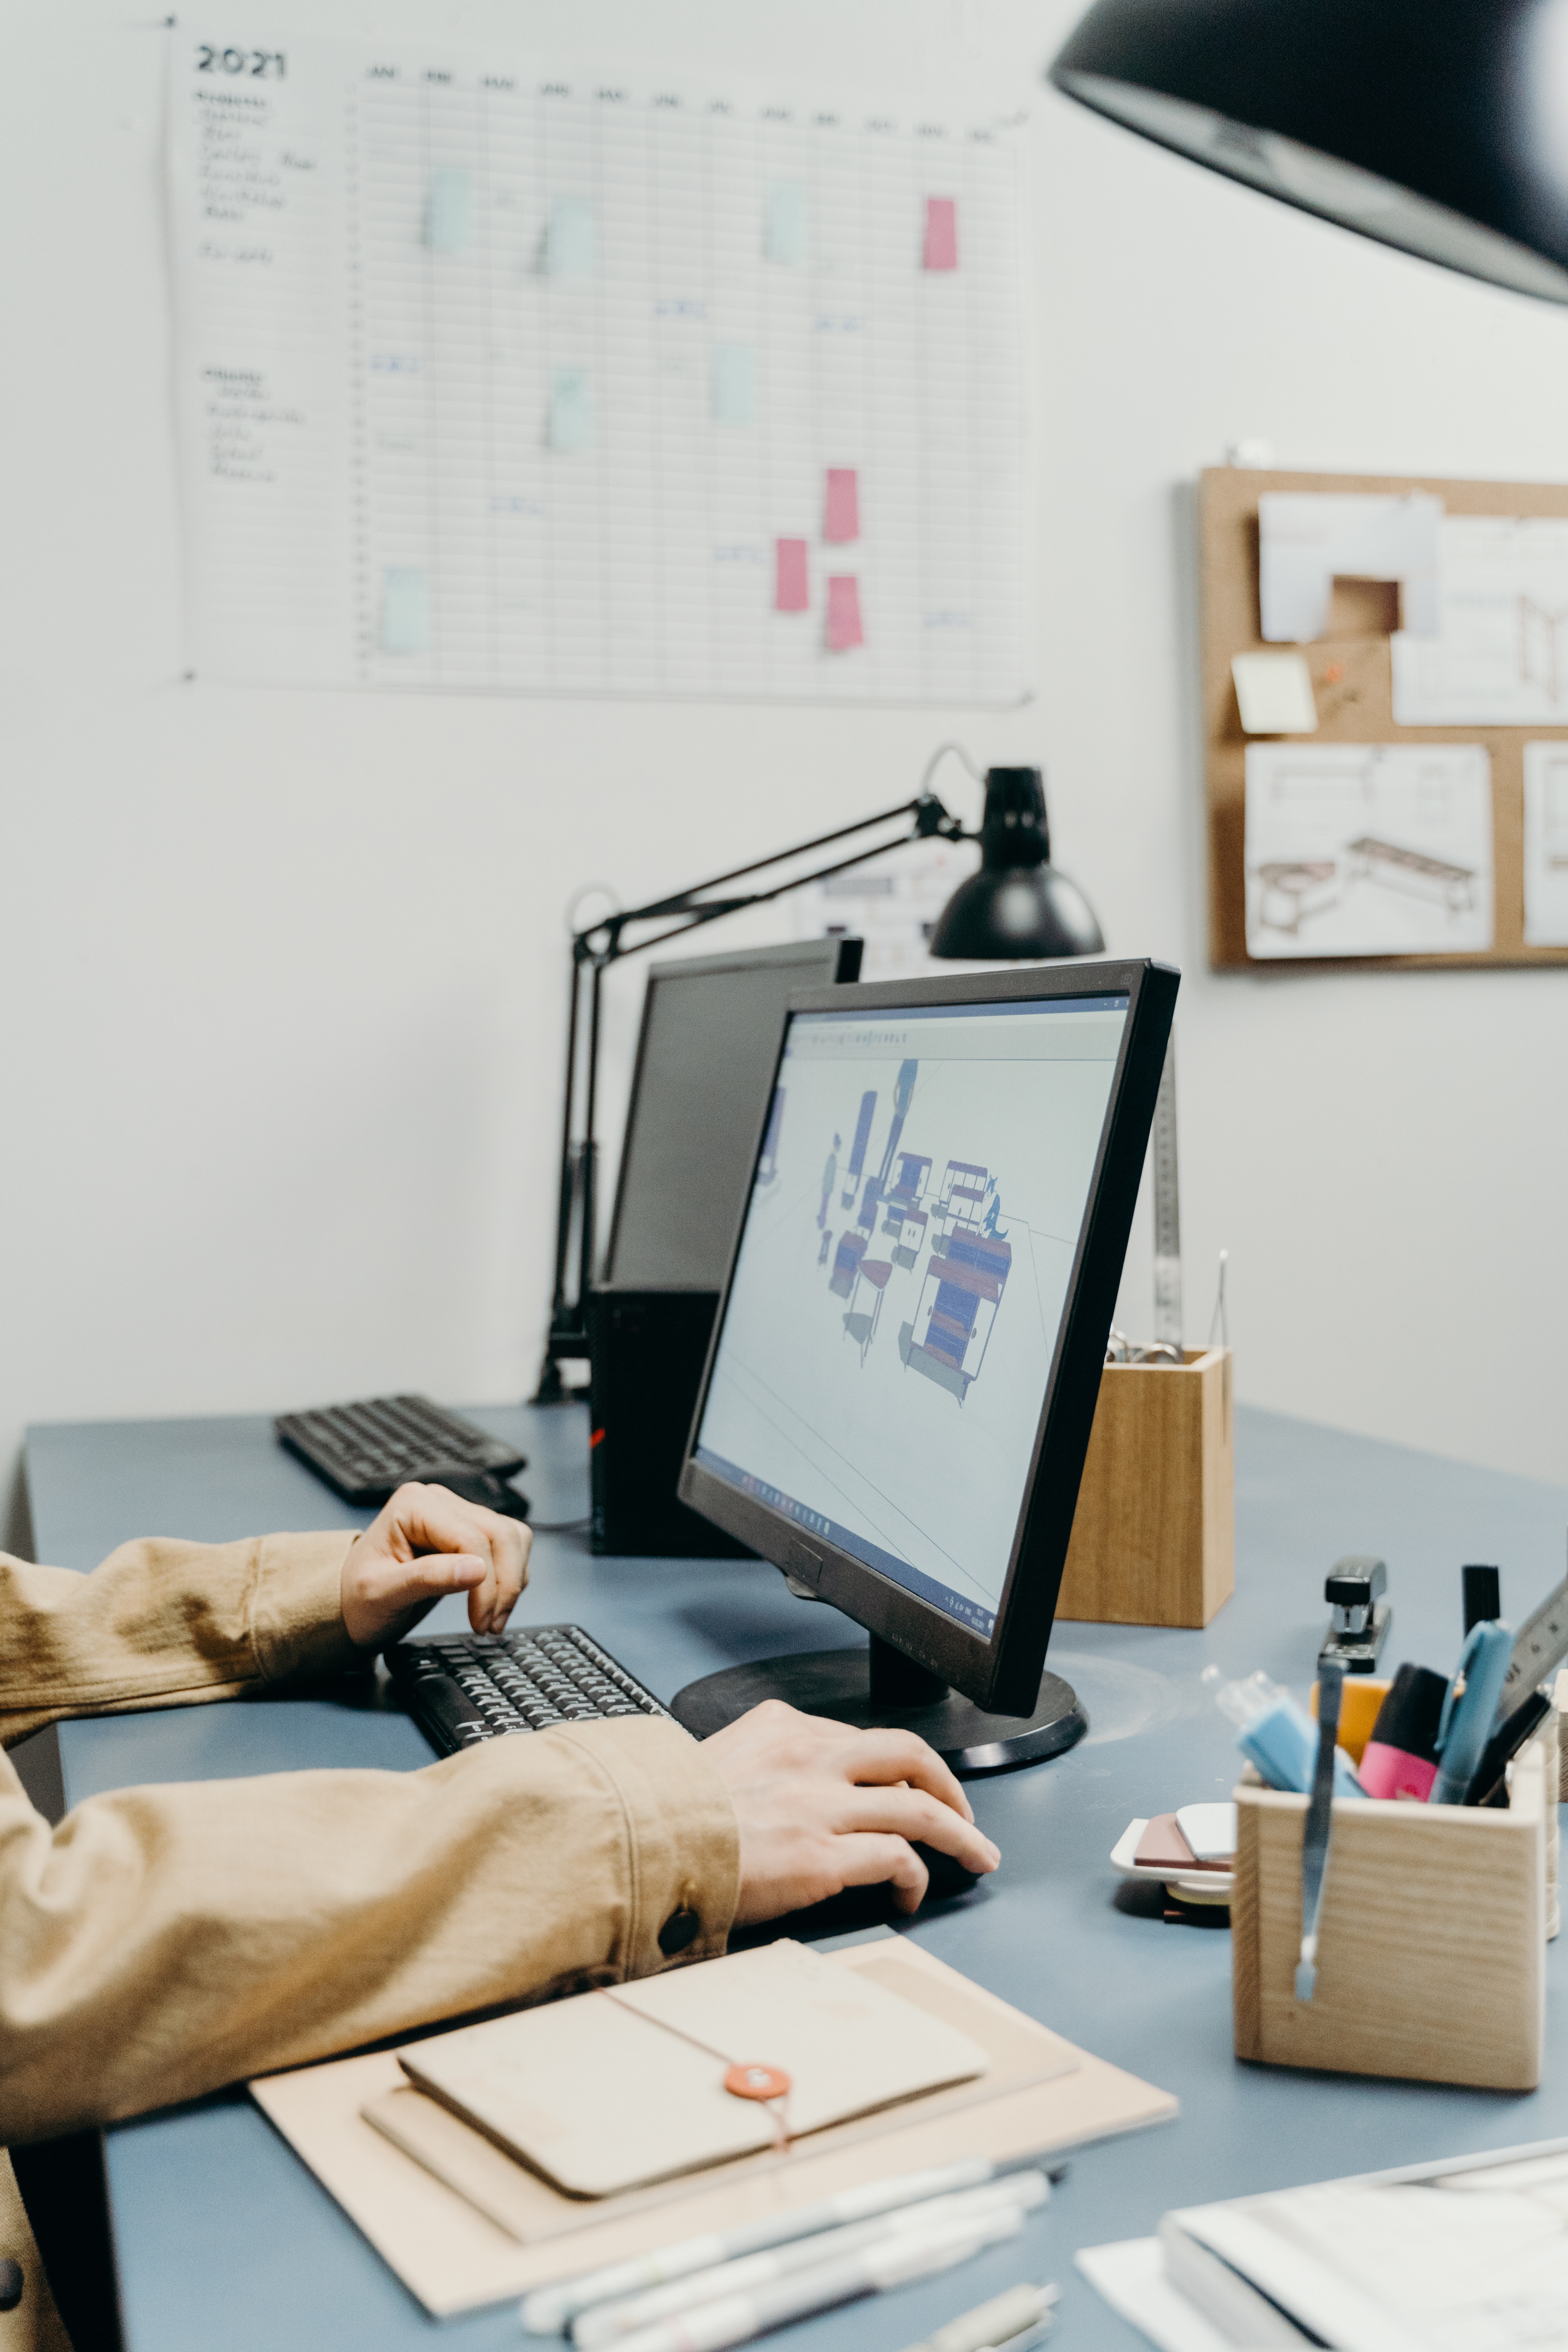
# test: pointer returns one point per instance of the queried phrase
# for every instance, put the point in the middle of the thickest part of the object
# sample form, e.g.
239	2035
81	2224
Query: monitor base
838	1683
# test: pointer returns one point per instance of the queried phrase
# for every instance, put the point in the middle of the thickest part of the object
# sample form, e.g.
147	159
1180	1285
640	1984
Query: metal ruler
1167	1207
1542	1644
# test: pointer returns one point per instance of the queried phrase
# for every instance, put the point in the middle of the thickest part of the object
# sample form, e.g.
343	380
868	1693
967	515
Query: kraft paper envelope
615	2090
453	2259
1017	2051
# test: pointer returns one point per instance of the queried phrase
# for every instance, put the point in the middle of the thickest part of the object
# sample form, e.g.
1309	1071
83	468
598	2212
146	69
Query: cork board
1352	685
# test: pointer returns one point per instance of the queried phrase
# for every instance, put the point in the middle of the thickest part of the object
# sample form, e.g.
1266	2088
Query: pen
1505	1744
1467	1720
999	2322
1318	1824
736	2318
547	2310
604	2323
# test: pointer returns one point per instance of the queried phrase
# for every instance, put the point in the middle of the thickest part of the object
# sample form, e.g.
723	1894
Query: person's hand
425	1544
822	1806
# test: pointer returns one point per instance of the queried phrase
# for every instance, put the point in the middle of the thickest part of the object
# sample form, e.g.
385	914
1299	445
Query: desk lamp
1436	126
1017	905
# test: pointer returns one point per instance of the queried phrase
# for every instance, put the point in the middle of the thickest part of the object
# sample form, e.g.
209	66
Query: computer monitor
710	1036
904	1369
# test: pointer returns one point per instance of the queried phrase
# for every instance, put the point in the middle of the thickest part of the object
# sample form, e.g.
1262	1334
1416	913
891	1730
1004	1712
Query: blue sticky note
734	384
449	216
569	239
571	410
786	224
404	612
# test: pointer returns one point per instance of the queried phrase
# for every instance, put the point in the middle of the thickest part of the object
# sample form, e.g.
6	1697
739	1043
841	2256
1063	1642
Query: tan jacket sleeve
164	1941
161	1623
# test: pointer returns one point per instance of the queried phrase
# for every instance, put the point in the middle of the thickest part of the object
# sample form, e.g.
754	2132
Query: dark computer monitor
900	1390
709	1037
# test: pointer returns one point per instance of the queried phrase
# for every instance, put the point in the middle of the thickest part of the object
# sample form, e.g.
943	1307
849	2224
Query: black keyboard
461	1688
365	1451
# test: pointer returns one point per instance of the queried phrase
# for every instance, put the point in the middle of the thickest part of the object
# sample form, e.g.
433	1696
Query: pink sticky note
844	629
791	590
841	506
941	233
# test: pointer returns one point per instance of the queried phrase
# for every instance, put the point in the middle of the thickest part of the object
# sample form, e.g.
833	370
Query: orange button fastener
757	2083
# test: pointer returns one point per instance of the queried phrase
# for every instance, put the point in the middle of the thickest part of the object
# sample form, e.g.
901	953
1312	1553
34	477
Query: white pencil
547	2310
605	2322
737	2318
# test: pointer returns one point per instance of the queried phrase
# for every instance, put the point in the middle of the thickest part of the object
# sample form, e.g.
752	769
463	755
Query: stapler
1359	1624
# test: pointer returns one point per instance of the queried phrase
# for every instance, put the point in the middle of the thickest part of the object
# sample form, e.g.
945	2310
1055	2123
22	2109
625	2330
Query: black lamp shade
1017	905
1436	126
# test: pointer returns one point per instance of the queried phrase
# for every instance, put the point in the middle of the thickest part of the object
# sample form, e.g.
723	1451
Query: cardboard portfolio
620	2088
462	2223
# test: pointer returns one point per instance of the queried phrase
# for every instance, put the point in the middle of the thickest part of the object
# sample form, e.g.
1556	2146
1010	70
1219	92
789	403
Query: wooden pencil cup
1431	1941
1153	1539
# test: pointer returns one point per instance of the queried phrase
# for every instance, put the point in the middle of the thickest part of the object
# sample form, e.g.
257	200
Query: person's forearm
165	1941
163	1623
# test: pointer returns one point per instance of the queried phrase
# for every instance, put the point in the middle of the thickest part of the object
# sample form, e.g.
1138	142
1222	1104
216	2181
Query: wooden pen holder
1154	1537
1431	1941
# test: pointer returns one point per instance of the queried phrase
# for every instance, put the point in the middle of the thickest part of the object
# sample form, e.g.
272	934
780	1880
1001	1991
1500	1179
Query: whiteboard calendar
490	380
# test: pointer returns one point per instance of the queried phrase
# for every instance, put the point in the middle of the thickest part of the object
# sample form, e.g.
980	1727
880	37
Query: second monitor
709	1037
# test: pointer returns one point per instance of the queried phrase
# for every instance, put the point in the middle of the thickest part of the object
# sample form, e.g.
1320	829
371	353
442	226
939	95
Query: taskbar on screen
970	1615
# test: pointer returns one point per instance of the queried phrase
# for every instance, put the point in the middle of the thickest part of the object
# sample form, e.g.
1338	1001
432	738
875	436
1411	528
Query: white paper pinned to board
1308	539
1546	845
1274	694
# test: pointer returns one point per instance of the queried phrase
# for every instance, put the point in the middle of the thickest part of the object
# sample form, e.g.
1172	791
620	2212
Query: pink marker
1400	1759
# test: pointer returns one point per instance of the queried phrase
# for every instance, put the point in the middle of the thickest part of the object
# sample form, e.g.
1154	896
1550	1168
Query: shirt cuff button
678	1930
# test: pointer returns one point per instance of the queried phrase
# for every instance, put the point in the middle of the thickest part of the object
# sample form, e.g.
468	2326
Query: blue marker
1464	1725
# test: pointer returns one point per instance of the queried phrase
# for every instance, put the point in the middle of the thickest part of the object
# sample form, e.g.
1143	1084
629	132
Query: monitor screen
705	1060
902	1277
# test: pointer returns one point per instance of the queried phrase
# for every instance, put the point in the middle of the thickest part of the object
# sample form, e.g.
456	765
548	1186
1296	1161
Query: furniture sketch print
1291	890
1540	648
1371	859
955	1312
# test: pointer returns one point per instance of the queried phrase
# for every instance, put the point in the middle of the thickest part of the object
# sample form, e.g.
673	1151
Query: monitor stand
880	1687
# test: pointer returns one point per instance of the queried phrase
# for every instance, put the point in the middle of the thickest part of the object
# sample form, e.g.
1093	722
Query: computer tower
648	1348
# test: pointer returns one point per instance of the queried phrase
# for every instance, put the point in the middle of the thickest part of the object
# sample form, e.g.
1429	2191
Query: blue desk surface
221	2233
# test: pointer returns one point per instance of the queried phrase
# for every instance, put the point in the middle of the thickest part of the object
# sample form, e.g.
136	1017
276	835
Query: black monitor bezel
1003	1673
778	956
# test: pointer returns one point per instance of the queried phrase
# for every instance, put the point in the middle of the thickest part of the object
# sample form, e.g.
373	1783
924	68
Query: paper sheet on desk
1131	2276
452	2258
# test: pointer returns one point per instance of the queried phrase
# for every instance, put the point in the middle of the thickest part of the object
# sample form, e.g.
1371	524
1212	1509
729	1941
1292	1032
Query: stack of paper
1448	2258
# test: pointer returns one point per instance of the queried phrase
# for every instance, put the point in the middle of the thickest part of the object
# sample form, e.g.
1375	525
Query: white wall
283	970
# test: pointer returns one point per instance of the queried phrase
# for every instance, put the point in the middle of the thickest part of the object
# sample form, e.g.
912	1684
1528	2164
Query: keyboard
365	1451
462	1689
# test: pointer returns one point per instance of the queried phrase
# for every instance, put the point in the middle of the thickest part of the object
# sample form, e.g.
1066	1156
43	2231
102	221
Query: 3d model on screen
951	1304
828	1174
858	1148
956	1312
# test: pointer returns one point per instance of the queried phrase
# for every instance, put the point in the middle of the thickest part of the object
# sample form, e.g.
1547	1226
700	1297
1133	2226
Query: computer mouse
948	1875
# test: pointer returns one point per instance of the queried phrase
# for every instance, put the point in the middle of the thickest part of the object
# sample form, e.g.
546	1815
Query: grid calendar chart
490	380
